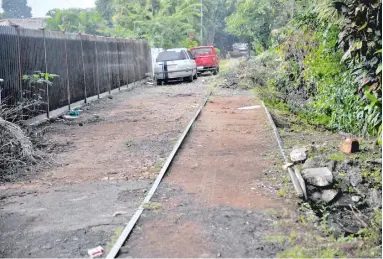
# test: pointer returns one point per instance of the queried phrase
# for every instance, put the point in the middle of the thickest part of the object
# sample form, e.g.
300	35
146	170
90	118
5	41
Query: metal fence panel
56	64
32	56
9	63
87	65
76	75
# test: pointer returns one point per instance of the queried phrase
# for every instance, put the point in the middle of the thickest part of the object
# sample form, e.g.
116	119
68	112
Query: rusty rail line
129	227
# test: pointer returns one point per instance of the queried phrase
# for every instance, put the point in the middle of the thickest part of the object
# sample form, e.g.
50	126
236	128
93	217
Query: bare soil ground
102	164
219	198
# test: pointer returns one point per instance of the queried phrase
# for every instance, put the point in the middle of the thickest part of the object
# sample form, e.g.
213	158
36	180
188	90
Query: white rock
321	176
355	198
299	154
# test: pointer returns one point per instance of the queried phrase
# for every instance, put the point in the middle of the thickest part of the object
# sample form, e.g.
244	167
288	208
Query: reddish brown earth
213	199
101	166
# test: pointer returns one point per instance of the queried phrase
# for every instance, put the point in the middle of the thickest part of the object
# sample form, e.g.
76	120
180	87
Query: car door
191	59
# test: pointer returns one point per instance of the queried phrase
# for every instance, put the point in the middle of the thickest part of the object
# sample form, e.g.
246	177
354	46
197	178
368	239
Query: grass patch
129	143
152	206
225	65
302	252
156	167
339	157
116	234
282	192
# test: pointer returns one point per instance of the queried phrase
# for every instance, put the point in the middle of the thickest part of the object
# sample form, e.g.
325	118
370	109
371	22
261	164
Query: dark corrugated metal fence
87	65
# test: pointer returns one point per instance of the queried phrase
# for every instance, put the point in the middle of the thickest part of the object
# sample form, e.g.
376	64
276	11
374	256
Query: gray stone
355	198
329	195
316	196
331	165
374	198
298	155
321	176
313	162
355	177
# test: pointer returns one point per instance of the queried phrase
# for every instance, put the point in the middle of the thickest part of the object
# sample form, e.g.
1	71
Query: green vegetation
339	157
282	192
303	252
164	23
129	143
324	65
152	206
75	20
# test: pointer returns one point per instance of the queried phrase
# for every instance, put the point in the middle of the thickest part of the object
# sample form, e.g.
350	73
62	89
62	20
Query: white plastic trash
95	252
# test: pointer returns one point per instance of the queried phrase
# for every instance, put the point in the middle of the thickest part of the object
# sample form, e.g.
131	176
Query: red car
206	59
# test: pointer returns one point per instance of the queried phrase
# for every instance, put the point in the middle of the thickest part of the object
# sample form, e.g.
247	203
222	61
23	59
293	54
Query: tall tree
165	23
75	20
257	18
16	9
106	9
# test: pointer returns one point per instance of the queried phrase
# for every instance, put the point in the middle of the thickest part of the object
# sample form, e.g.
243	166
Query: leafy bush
312	78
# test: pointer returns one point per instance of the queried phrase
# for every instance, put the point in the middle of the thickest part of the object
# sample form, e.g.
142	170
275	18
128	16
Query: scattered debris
118	213
95	252
68	117
321	176
231	80
298	155
349	146
74	112
110	96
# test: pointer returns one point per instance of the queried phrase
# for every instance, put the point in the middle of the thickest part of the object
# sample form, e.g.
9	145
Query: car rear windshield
171	55
201	51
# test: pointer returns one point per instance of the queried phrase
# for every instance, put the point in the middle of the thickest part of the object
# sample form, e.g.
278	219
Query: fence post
119	65
107	54
127	66
133	58
83	68
46	71
67	70
19	64
96	79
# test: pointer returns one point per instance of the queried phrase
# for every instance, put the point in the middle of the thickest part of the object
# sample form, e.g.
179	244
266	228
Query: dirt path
107	160
215	200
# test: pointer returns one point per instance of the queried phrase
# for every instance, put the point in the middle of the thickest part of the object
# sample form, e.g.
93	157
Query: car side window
190	55
185	54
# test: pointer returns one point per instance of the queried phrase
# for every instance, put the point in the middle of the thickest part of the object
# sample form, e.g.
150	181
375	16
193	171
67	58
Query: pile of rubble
231	80
336	190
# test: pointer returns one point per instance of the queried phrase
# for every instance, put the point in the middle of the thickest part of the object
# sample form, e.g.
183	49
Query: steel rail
129	227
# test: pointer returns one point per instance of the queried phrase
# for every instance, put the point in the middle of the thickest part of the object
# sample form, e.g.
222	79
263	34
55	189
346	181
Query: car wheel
196	75
189	78
160	82
215	71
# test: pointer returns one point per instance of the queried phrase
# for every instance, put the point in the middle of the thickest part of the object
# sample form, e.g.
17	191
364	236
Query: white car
173	64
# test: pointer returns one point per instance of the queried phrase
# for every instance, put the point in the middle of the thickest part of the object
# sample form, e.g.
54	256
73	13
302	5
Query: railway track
113	253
